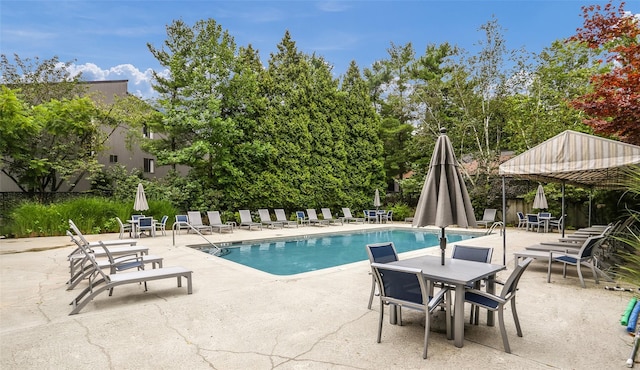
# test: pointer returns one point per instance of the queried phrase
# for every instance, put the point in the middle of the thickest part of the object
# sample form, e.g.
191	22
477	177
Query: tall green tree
195	133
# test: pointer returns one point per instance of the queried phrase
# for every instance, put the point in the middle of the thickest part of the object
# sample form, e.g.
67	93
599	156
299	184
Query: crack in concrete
88	338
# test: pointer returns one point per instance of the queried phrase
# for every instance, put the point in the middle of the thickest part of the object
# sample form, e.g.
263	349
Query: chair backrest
521	216
477	254
532	217
245	216
163	220
587	247
214	218
326	213
300	215
280	215
120	222
489	214
347	212
182	219
135	217
312	214
382	252
145	221
544	214
264	215
88	253
511	285
401	285
195	218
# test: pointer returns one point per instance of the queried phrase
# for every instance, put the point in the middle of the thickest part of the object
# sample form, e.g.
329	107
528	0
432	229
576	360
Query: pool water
315	252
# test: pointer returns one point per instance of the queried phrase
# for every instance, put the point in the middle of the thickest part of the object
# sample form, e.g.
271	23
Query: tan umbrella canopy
540	201
376	199
444	199
140	203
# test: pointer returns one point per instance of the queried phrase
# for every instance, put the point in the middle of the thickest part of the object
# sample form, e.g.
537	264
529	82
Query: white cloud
139	81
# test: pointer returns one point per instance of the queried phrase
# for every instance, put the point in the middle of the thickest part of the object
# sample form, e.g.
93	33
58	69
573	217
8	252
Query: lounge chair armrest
438	298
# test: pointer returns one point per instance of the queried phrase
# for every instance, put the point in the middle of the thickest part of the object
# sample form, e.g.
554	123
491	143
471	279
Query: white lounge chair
326	215
216	222
265	219
348	217
313	218
195	221
282	217
247	221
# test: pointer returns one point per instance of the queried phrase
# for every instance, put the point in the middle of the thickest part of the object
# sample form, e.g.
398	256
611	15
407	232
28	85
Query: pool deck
240	318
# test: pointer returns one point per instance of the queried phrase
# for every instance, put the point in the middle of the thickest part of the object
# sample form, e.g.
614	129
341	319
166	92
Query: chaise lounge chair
348	217
265	219
326	215
247	221
313	218
195	221
216	222
489	217
282	218
100	281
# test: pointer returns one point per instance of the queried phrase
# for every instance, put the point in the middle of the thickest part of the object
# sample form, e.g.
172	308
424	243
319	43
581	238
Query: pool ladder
217	250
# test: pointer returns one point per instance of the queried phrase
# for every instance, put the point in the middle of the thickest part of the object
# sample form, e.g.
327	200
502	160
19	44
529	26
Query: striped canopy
575	158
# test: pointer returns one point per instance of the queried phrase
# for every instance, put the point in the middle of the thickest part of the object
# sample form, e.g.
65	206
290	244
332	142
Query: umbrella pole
443	245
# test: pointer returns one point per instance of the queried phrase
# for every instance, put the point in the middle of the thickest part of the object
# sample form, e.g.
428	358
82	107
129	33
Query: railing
218	251
494	226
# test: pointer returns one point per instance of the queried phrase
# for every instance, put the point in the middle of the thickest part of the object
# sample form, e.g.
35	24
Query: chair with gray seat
495	302
379	253
265	219
124	227
195	222
216	222
326	215
348	217
247	221
314	220
403	287
282	218
489	217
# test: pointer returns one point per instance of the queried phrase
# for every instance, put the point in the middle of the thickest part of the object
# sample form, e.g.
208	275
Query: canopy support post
564	220
504	222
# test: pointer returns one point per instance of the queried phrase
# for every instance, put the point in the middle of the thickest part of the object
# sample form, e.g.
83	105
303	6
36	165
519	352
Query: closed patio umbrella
140	203
376	200
444	199
540	201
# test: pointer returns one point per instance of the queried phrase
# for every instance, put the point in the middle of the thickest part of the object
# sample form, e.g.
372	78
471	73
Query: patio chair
387	216
558	224
146	224
313	218
370	215
302	218
282	218
494	302
216	222
405	287
124	228
326	214
115	264
348	217
533	221
265	219
247	221
162	225
195	221
379	253
101	281
182	222
522	220
489	217
584	256
477	254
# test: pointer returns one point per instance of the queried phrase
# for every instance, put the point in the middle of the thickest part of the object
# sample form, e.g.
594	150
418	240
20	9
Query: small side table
233	224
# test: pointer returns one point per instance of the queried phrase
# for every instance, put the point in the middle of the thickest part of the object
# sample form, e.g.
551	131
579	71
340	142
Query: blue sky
107	39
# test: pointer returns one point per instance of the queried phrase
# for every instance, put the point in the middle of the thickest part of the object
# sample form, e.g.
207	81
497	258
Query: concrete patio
240	318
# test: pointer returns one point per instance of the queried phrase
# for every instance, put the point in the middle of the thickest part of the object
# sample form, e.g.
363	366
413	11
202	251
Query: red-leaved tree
614	104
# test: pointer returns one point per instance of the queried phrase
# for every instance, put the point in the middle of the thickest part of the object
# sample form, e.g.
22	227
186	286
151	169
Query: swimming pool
314	252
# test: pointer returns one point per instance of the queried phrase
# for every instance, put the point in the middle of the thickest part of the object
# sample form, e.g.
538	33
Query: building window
149	165
113	158
146	132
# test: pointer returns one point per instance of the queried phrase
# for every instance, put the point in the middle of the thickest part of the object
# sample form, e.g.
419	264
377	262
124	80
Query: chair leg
515	316
427	322
373	291
380	321
503	331
580	274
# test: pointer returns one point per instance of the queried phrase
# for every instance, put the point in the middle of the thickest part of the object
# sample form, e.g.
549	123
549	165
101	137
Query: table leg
491	288
458	317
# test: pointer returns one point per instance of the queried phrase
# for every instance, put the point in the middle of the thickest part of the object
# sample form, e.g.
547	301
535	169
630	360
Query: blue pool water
315	252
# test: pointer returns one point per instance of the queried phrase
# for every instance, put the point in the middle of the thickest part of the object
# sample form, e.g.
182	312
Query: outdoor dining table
458	274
